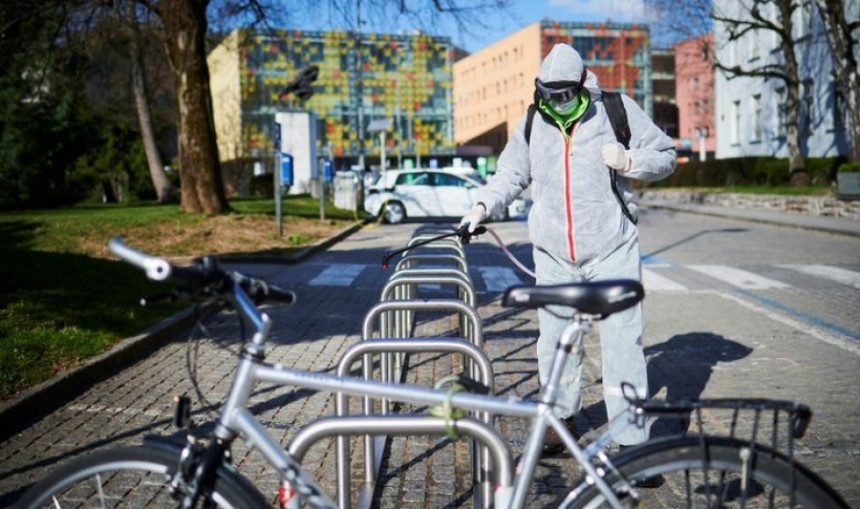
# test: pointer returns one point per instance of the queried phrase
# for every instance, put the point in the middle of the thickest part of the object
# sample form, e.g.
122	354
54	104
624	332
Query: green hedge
748	171
849	168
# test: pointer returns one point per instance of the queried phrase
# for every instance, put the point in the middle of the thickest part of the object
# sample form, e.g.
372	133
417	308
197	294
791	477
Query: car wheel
393	212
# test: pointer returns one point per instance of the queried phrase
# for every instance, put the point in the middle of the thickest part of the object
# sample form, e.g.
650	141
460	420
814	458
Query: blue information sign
286	169
327	173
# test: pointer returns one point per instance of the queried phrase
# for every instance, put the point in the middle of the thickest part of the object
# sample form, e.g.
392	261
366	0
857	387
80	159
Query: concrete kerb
836	226
37	401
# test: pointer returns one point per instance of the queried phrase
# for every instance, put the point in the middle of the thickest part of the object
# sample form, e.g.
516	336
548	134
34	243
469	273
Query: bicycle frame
237	420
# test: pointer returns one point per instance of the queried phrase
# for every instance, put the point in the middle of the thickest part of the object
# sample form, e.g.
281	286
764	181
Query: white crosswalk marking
844	276
655	282
337	274
738	277
499	279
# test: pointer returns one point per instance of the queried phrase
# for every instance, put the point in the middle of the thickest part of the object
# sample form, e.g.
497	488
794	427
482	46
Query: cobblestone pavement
692	348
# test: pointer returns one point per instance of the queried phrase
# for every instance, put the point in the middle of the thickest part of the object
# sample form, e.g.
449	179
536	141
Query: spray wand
462	232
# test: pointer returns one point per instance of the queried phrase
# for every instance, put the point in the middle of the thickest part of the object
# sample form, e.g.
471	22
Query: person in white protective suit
576	224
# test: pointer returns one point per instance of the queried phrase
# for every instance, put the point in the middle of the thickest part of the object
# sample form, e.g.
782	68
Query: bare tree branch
768	71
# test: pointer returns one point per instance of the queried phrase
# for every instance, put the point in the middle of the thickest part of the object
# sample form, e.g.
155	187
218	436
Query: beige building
494	87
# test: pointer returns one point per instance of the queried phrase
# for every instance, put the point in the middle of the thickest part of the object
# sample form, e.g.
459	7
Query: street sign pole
276	175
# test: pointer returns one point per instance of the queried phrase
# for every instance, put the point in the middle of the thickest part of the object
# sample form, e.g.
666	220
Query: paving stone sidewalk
743	356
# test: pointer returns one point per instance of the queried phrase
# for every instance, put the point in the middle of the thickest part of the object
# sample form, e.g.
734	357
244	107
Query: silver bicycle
694	469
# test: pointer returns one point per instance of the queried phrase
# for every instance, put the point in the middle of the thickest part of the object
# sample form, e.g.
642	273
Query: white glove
474	217
615	156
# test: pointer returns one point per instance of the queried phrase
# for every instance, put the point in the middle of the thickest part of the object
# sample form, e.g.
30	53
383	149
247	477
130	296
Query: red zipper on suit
568	198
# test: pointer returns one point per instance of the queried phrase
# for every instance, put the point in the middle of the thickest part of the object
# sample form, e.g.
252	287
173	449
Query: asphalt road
733	309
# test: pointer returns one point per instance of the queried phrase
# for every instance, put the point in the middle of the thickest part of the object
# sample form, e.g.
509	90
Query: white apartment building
750	111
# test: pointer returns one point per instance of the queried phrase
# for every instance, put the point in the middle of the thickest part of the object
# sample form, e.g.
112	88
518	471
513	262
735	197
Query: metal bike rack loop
403	325
409	260
466	311
400	288
374	446
403	319
502	473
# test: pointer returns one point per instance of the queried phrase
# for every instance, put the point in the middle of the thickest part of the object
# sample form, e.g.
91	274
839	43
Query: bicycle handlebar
203	276
157	269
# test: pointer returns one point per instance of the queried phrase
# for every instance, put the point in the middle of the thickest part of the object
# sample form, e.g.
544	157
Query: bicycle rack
466	311
409	261
395	425
395	313
405	283
375	445
404	327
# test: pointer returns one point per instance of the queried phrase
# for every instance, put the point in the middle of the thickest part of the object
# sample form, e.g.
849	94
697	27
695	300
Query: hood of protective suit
564	64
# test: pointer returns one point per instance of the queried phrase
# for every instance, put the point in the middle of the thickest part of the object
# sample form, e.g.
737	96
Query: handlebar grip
157	269
280	294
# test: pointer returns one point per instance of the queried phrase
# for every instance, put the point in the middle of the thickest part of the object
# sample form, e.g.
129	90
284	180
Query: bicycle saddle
595	298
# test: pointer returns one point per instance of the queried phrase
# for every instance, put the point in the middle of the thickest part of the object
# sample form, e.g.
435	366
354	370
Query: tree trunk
162	185
202	186
845	72
796	161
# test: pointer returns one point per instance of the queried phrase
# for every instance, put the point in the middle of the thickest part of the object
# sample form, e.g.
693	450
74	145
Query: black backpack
618	119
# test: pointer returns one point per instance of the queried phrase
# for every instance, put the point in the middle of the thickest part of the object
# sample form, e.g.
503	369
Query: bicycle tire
130	477
683	463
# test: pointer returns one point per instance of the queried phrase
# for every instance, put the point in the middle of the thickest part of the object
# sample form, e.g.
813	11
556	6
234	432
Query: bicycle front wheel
714	472
130	477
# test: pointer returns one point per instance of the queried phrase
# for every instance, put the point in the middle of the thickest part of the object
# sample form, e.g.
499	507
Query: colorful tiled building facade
618	54
404	78
493	87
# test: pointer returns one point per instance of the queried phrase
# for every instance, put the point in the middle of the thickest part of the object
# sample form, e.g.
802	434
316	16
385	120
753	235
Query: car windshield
419	177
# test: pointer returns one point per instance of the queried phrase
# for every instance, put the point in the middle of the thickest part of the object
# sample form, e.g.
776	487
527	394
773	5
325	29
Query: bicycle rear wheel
130	477
713	476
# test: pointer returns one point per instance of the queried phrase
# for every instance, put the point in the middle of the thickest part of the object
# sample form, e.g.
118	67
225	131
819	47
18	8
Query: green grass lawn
63	298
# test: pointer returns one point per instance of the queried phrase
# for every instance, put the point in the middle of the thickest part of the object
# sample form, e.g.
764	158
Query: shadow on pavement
682	365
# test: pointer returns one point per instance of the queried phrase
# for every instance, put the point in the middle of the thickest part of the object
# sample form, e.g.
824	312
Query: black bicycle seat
595	298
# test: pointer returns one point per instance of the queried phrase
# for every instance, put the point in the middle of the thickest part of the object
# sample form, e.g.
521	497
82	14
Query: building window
756	120
755	45
695	82
736	123
802	20
779	109
840	108
808	105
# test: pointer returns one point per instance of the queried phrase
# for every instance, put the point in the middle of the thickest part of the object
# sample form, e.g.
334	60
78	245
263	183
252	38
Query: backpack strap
614	107
617	117
530	117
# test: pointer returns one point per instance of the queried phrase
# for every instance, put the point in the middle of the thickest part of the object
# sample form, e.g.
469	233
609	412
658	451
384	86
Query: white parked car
401	194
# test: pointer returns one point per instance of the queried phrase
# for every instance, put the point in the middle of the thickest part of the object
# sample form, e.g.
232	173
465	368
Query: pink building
694	93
